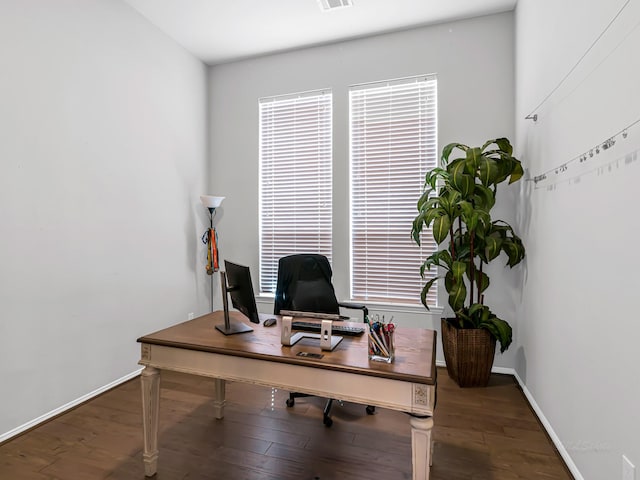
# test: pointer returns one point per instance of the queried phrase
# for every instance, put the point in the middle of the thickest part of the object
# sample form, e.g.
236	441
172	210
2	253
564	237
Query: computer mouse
269	322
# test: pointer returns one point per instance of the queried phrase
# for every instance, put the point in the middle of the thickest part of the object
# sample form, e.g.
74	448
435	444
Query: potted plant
456	204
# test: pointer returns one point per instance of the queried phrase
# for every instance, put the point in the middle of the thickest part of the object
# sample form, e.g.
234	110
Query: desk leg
421	445
219	402
150	380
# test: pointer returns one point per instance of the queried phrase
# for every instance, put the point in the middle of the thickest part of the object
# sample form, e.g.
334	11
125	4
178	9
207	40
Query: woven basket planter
469	354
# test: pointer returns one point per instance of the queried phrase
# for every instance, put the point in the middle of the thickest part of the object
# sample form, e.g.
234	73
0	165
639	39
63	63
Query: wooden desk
408	384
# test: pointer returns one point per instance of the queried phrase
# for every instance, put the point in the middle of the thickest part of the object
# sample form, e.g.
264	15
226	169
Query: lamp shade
211	201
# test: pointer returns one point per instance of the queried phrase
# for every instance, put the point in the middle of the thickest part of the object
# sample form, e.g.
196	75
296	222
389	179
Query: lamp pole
211	202
211	213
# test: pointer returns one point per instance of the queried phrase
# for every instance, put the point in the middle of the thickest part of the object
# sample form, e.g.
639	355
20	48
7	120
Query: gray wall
579	329
474	63
102	159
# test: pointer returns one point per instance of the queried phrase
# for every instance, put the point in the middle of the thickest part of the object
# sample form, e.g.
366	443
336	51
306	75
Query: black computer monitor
236	283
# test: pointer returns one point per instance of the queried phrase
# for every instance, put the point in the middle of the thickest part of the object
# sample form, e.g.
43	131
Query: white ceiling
219	31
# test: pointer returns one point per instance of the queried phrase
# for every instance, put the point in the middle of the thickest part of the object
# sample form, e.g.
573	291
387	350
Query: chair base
326	418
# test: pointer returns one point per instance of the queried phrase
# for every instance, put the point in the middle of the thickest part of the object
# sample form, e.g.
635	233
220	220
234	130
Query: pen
380	344
381	336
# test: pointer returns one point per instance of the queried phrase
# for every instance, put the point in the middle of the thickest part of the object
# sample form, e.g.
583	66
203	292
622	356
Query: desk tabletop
414	353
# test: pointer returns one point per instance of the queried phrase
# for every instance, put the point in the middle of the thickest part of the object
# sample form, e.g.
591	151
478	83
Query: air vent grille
327	5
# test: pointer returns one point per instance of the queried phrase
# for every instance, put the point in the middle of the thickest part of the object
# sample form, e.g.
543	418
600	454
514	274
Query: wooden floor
480	434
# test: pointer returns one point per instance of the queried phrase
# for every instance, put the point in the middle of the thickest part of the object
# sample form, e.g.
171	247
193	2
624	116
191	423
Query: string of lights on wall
588	155
591	154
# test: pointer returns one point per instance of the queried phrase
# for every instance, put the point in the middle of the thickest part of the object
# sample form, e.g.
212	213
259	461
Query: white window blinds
295	179
393	143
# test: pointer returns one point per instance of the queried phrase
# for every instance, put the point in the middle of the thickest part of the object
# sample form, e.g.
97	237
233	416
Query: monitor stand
335	340
327	341
229	327
234	327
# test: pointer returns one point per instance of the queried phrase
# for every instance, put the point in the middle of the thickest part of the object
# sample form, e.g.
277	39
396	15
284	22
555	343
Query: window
295	179
393	143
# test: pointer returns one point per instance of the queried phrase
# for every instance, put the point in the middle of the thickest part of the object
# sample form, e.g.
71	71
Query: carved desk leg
219	402
150	380
421	446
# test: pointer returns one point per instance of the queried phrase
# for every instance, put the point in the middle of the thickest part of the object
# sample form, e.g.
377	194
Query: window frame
359	280
297	149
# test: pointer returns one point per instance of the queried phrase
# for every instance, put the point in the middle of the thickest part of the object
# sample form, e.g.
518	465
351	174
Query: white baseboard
547	426
33	423
494	369
545	423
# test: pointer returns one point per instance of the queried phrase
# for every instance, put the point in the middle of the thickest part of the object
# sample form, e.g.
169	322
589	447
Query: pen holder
381	343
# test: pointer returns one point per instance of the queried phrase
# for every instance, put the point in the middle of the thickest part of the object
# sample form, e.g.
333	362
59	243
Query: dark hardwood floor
480	434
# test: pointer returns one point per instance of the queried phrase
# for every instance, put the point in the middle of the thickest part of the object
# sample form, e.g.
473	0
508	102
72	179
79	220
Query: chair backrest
304	284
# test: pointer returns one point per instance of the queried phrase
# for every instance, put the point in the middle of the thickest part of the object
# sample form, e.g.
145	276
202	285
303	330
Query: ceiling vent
327	5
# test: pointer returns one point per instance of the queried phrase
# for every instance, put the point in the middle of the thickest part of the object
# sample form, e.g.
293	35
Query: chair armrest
356	306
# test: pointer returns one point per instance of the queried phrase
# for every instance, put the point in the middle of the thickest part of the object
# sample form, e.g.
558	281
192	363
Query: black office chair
304	285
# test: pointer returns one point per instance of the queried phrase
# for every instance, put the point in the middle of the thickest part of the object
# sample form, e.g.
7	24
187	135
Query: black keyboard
335	329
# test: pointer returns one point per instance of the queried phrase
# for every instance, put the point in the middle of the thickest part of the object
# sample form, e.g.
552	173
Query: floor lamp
209	238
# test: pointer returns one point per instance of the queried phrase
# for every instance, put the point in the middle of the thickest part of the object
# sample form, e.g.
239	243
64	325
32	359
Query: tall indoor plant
456	204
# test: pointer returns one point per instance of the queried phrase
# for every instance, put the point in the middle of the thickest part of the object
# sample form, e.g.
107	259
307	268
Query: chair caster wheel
370	410
290	402
327	421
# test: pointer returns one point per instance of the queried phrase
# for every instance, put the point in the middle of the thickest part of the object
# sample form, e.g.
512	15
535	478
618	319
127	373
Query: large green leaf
425	291
482	281
432	177
457	295
504	145
514	250
516	172
493	247
484	197
501	330
432	213
423	219
457	269
428	212
440	229
488	143
473	316
462	245
484	221
457	289
439	258
424	198
425	265
461	181
504	167
476	309
470	218
446	151
488	171
466	208
472	158
480	316
416	229
449	203
448	281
